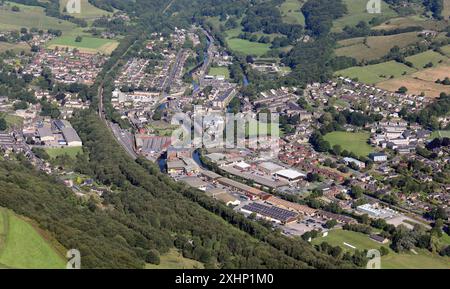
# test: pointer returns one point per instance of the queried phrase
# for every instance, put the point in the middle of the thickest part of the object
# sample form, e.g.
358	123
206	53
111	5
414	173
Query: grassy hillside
29	16
290	10
23	246
421	59
88	11
374	47
356	12
423	259
88	44
175	260
372	74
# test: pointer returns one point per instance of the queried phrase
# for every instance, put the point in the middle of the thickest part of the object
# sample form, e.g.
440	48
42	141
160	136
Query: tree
78	38
384	251
402	89
330	224
3	124
153	257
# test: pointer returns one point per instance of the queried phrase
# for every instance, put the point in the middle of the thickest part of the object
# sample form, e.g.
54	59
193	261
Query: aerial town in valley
333	156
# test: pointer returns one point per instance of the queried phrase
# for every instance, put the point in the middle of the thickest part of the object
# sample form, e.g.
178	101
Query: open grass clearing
357	11
355	142
372	74
290	10
175	260
29	17
23	246
70	151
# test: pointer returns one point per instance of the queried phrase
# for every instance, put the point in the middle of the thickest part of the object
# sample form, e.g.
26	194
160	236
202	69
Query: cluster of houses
67	65
398	136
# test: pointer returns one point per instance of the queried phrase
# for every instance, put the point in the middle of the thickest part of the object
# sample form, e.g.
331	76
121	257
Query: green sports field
29	16
219	71
244	46
175	260
350	141
87	44
423	259
70	151
377	72
290	10
22	246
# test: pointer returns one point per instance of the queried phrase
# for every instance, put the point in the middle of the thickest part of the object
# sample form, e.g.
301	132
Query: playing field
423	259
357	11
29	16
223	71
174	260
70	151
244	46
421	59
87	44
355	142
87	10
374	47
376	73
290	10
21	246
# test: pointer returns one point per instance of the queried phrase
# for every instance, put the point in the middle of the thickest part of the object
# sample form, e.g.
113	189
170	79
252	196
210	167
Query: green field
263	128
355	142
88	44
421	59
29	16
376	73
244	46
374	47
440	133
446	50
423	259
290	10
223	71
70	151
16	47
21	246
356	12
88	11
174	260
12	120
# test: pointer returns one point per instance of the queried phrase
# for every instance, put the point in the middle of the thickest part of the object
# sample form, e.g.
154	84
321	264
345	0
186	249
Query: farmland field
408	21
88	44
421	81
350	141
70	151
374	47
423	259
376	73
22	246
446	50
16	47
175	260
88	11
421	59
244	46
290	10
29	16
357	12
